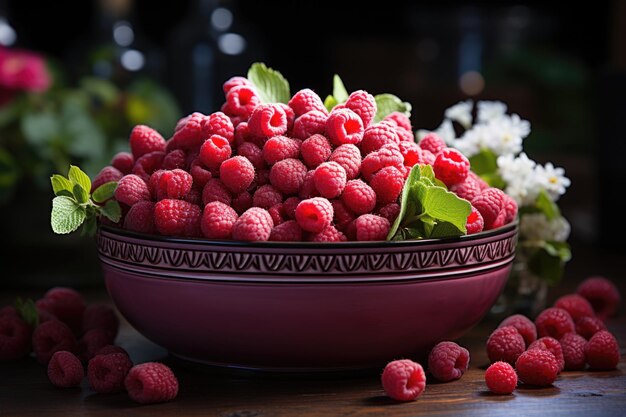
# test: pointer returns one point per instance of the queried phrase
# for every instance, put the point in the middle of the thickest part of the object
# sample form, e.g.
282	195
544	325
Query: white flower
518	173
474	139
445	131
461	112
507	134
536	226
490	110
552	179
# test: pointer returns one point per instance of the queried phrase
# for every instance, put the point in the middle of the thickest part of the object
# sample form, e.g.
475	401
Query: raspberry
602	351
467	189
234	82
268	120
344	126
215	190
66	304
266	196
65	370
261	177
315	150
537	367
510	207
106	174
291	117
151	382
403	380
242	100
400	119
218	124
314	214
147	164
412	153
451	166
287	176
140	218
342	214
524	326
177	218
573	347
501	378
9	311
490	204
144	139
432	142
363	104
214	151
329	179
174	159
92	341
174	184
106	373
199	173
188	134
377	135
242	202
379	159
288	231
588	326
554	322
50	337
15	338
237	173
475	222
217	220
255	224
448	361
279	148
349	157
108	349
306	100
329	234
359	197
602	294
277	211
481	182
387	183
371	227
132	189
309	124
307	189
124	162
389	211
100	316
505	344
553	346
405	135
253	153
576	305
290	205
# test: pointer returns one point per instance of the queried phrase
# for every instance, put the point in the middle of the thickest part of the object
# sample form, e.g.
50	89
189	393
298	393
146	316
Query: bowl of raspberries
300	235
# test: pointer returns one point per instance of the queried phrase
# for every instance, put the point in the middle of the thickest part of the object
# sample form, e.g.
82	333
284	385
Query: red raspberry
467	189
448	361
242	133
215	190
287	176
387	183
309	124
65	370
218	220
52	336
66	304
405	135
140	218
349	157
432	142
573	347
576	305
9	311
510	207
268	120
314	214
234	82
588	326
100	316
475	222
329	234
481	182
342	214
412	153
242	100
451	166
602	351
403	380
194	196
490	203
277	211
501	378
218	124
602	294
371	227
174	159
15	338
537	367
261	177
106	174
91	342
151	382
242	202
266	196
389	211
174	184
108	349
291	117
124	162
377	135
144	139
329	179
237	173
553	346
106	373
131	189
554	322
290	205
177	218
344	126
188	134
201	175
214	151
377	160
147	164
400	119
362	103
288	231
315	150
307	189
505	344
153	183
279	148
253	153
306	100
255	224
524	326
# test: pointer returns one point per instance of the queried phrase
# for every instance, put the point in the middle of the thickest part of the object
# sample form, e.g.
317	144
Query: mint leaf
330	102
387	104
445	229
67	215
112	211
405	202
484	162
61	185
445	206
426	172
104	192
270	84
77	176
339	90
546	206
28	311
80	194
89	227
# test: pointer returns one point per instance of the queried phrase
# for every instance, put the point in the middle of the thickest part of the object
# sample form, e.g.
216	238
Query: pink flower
23	70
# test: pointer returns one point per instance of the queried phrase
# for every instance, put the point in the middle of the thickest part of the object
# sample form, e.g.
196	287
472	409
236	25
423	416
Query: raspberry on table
505	344
278	148
451	166
433	143
144	139
288	231
349	157
215	190
314	214
255	224
287	176
315	150
100	316
266	196
218	124
389	211
602	294
553	346
377	160
400	119
15	338
237	173
174	159
132	189
329	179
305	101
52	336
573	347
448	361
106	174
377	135
123	161
329	234
151	382
403	380
177	218
64	303
215	150
371	227
387	183
344	126
588	326
218	220
554	322
474	222
309	124
524	325
65	370
363	104
268	120
140	218
92	341
106	373
490	204
147	164
501	378
242	100
173	184
576	305
602	351
537	367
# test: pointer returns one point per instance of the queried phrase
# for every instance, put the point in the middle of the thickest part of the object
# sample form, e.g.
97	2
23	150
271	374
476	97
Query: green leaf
412	179
89	227
77	176
445	206
40	128
548	267
67	215
426	172
80	194
61	185
387	104
104	192
484	162
28	311
112	211
445	229
559	249
339	90
546	206
270	84
330	102
494	180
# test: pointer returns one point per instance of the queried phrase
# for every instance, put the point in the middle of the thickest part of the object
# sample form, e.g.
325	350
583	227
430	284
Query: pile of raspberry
286	172
74	341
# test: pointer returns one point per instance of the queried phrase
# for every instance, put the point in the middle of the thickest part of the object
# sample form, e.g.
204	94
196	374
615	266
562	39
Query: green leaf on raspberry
80	194
77	176
104	192
387	104
270	84
407	207
339	90
445	206
330	102
61	185
28	311
67	215
112	211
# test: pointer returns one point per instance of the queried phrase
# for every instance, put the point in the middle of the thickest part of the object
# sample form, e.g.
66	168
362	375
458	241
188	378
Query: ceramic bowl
303	306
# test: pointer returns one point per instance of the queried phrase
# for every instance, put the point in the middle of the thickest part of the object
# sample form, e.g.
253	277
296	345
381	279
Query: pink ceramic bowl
303	306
